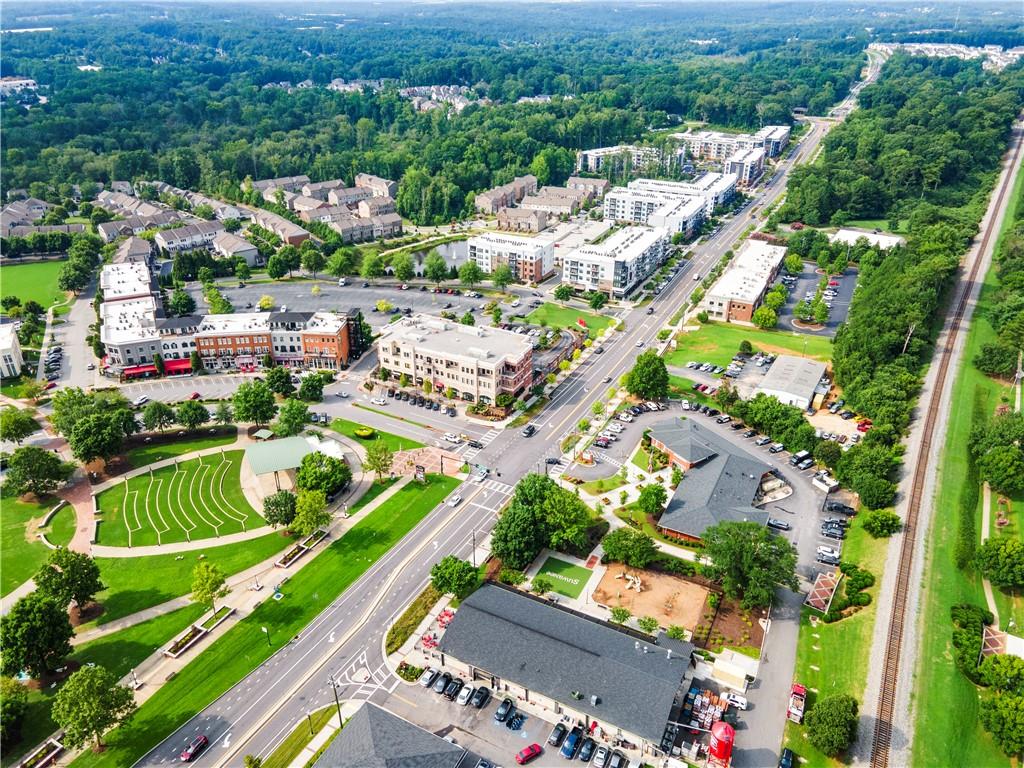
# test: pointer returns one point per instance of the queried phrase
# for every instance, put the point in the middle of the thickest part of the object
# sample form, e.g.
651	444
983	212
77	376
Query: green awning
277	455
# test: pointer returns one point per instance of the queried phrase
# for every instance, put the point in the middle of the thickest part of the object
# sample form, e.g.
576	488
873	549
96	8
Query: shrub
364	433
511	576
541	584
832	723
620	615
968	622
882	523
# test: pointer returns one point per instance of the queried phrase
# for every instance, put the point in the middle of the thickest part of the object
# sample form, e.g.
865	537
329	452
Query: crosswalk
487	439
609	459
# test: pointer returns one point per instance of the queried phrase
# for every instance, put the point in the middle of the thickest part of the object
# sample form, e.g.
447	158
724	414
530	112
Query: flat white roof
748	273
128	321
454	339
851	236
119	281
746	155
325	322
492	240
626	244
8	338
791	375
573	234
256	322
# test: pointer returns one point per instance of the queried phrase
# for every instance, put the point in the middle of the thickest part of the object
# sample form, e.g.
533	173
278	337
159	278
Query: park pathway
986	529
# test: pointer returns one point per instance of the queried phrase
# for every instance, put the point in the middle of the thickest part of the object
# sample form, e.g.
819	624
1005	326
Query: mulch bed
730	627
44	682
80	616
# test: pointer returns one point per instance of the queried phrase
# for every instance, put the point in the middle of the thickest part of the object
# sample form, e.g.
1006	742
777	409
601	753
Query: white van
696	276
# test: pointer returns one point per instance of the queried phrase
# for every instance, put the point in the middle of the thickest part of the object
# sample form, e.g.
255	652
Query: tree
34	636
16	424
208	584
254	402
597	408
1001	560
502	277
620	615
276	267
97	436
496	316
875	492
310	513
1002	715
196	361
1003	468
1003	672
251	761
629	546
470	274
242	271
652	499
69	577
13	706
157	415
518	536
882	523
311	389
567	518
828	453
266	302
468	319
541	584
794	264
453	576
224	415
373	266
749	561
563	292
279	508
291	256
403	267
279	380
205	275
313	261
35	470
596	300
832	723
89	704
765	318
648	624
292	418
379	458
181	303
320	472
434	268
648	378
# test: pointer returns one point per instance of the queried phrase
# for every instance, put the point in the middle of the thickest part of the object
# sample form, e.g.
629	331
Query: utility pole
910	332
337	703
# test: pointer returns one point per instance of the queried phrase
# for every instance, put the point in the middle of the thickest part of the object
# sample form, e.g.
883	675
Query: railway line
881	742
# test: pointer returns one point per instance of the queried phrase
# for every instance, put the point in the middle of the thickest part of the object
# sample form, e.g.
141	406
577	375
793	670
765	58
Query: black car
475	444
787	758
599	351
838	506
828	559
833	533
636	410
506	708
480	697
779	525
529	430
750	433
705	408
557	735
391	393
738	425
713	412
442	682
650	310
435	406
552	460
453	689
366	285
587	750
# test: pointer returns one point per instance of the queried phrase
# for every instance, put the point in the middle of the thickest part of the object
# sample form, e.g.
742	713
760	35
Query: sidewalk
348	708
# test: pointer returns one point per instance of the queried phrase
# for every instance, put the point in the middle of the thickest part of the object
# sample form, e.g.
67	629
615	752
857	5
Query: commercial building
11	361
721	482
378	186
288	231
849	236
520	220
630	685
530	260
507	195
189	237
617	157
619	264
795	381
596	188
130	280
747	164
128	331
228	245
740	289
477	362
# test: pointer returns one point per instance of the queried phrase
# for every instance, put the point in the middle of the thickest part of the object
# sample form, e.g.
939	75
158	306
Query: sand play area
669	599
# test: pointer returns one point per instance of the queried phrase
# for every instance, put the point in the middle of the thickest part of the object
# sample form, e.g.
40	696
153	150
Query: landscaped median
357	432
244	646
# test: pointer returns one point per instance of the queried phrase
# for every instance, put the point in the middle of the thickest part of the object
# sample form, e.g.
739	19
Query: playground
672	600
196	499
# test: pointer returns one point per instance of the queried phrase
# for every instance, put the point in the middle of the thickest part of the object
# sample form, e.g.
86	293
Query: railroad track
890	673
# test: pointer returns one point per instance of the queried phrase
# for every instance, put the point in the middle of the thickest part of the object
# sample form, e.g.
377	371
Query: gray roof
375	738
797	376
179	323
556	652
720	488
277	455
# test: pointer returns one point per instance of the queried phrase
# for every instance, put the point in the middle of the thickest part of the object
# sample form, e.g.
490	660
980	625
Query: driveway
807	283
611	459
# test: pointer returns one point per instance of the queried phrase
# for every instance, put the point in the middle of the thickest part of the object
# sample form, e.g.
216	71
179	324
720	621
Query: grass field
946	718
881	224
681	388
718	342
834	658
394	442
149	454
244	646
566	579
21	555
62	527
136	583
119	653
33	282
198	499
16	388
555	316
291	747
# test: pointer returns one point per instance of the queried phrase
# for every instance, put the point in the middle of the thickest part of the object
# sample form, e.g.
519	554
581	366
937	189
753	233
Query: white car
451	437
379	401
616	428
626	417
686	405
454	501
140	400
829	551
343	395
740	702
516	303
466	694
608	434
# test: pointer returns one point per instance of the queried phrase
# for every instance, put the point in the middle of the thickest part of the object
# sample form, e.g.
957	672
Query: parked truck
797	699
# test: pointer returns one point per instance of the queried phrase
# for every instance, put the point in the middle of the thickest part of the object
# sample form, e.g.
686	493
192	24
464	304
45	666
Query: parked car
763	440
429	676
724	419
379	401
480	697
740	702
601	755
836	521
587	749
805	464
194	748
572	743
453	689
833	533
442	682
787	758
618	760
827	551
776	448
140	401
827	559
750	433
465	695
779	525
557	735
838	506
626	417
529	753
506	708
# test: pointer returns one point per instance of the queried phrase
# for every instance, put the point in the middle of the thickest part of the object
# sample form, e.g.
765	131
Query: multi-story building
348	195
278	196
288	183
477	362
521	220
178	339
133	249
201	234
136	225
620	156
352	228
130	280
675	211
714	189
11	361
596	188
378	186
321	189
714	145
288	231
553	205
774	139
375	206
619	264
234	341
128	331
301	203
741	288
228	245
507	195
531	260
747	164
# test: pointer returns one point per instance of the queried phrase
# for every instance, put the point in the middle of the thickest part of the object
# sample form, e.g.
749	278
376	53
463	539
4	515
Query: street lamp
334	687
267	633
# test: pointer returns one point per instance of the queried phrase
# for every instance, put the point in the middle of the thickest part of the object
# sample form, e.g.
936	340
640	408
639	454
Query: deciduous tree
254	402
453	576
310	512
157	415
89	704
208	584
832	723
292	418
34	636
629	546
749	561
648	379
35	470
320	472
16	424
69	577
379	458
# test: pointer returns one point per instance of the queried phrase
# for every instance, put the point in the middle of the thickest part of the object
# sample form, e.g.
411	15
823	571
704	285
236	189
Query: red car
197	745
524	756
864	426
49	385
194	396
833	283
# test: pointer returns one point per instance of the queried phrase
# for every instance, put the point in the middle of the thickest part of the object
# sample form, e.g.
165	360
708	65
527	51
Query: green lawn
881	224
15	388
566	579
62	527
603	485
841	650
154	452
947	703
33	282
718	342
394	442
136	583
292	747
21	555
392	415
119	653
681	388
244	646
197	499
556	316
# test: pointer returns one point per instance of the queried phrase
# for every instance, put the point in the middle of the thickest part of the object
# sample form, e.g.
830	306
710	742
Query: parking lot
611	459
178	388
807	283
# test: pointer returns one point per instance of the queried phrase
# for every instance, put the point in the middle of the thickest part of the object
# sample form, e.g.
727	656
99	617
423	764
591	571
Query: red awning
138	370
177	366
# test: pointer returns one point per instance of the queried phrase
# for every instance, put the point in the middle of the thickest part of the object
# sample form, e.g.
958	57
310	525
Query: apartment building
201	234
228	245
739	291
129	280
128	331
596	188
120	204
618	157
507	195
320	189
674	211
477	362
521	220
301	203
530	259
619	264
178	338
133	249
378	186
553	205
349	195
221	210
774	139
747	164
11	360
714	189
715	145
288	231
278	196
287	183
375	206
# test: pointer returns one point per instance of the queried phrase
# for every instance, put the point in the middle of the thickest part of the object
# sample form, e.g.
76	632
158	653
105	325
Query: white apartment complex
619	264
674	212
11	361
740	289
530	259
747	164
477	362
596	160
715	145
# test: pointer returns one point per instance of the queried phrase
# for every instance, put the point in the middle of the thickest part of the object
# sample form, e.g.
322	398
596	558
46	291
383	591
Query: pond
454	254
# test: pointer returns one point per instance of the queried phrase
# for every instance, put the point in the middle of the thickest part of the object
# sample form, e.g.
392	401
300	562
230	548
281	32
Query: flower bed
409	673
183	643
44	755
221	615
291	556
313	539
